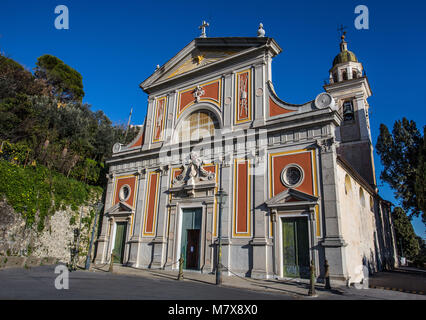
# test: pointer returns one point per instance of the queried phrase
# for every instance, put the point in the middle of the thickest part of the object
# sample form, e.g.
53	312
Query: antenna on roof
128	123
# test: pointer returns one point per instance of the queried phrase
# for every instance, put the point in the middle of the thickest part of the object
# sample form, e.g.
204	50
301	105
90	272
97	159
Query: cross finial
342	32
203	29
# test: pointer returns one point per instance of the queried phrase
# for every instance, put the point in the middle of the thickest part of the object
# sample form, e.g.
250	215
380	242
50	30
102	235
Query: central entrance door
191	237
120	240
295	247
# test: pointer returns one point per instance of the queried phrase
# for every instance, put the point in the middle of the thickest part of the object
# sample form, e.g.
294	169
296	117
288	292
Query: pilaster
333	243
135	239
102	242
259	94
159	242
259	241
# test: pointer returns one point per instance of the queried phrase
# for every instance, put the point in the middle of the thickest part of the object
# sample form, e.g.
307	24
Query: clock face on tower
324	100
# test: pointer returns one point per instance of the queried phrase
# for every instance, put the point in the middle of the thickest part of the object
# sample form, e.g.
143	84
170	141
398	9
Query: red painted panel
303	160
185	99
242	197
159	119
139	142
152	192
211	91
210	168
121	182
275	109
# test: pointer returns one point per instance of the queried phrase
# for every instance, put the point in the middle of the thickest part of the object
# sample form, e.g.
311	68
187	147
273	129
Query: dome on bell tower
345	56
345	65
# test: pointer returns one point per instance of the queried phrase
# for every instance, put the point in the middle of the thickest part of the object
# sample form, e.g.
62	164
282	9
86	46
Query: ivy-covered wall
39	211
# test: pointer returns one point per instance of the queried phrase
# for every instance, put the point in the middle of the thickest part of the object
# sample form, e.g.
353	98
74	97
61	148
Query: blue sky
115	45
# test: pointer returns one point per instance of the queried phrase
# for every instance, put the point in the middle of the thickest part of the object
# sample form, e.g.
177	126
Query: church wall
358	226
240	258
241	98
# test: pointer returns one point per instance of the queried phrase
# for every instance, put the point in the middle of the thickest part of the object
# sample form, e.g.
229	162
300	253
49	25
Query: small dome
345	56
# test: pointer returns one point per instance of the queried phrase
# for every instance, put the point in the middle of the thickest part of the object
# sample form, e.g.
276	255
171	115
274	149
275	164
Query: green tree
420	259
406	239
399	153
68	137
420	185
66	82
14	79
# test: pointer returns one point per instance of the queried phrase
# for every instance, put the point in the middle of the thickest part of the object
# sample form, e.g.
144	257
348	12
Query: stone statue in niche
243	96
193	172
159	119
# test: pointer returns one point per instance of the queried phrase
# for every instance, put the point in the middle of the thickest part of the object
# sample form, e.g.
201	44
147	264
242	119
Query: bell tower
349	86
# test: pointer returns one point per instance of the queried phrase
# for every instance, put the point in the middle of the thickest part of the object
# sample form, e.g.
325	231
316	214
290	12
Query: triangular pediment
291	197
197	58
203	52
119	208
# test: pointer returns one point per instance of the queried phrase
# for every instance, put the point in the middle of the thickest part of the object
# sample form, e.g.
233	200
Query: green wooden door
120	240
295	247
191	220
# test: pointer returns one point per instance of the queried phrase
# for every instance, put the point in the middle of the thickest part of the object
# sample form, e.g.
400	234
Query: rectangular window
348	111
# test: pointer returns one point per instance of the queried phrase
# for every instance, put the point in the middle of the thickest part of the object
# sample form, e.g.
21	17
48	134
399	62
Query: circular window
292	175
124	193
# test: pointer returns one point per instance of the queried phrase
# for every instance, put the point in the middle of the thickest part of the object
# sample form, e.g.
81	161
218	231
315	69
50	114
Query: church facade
299	179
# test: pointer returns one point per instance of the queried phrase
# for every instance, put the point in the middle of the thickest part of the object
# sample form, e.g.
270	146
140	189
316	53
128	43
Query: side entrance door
191	237
192	248
295	247
120	240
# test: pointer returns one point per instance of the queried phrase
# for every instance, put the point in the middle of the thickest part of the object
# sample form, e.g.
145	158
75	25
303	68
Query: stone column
109	243
159	242
313	242
102	242
135	240
170	116
228	98
171	259
276	267
259	94
227	211
333	243
126	256
259	241
148	124
206	237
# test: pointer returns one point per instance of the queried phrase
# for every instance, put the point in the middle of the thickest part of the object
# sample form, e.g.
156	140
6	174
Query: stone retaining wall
21	246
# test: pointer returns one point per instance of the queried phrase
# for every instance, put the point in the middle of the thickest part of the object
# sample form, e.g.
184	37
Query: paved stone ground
404	279
134	284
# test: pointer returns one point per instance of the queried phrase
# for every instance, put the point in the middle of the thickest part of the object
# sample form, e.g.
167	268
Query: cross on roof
203	29
342	32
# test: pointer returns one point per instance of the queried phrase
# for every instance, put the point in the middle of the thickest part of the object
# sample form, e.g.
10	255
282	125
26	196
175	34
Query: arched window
354	74
197	125
361	197
348	185
335	79
345	75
